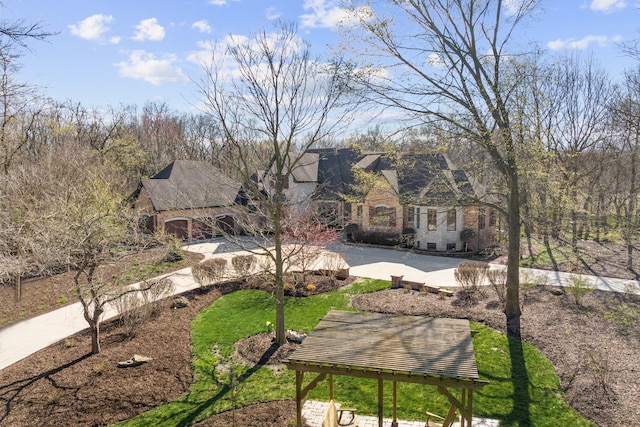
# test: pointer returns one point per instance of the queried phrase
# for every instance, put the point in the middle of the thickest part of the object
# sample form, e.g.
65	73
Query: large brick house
190	199
420	194
423	194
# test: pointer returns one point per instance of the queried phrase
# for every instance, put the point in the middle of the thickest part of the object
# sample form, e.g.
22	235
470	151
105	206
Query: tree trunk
574	231
95	337
631	211
512	304
281	337
18	287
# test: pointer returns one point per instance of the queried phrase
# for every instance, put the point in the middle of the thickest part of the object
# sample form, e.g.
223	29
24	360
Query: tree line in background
555	141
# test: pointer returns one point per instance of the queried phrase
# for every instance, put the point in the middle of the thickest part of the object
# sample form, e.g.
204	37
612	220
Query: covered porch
412	349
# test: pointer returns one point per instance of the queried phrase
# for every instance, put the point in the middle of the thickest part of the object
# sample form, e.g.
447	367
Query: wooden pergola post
380	403
330	386
299	377
394	422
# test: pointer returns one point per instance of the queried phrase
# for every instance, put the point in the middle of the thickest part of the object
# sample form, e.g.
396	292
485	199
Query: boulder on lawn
136	360
179	302
295	336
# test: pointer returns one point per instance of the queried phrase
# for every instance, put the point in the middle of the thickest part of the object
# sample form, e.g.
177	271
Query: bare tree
19	102
91	225
17	34
448	61
626	124
160	134
20	106
579	98
304	236
26	249
272	102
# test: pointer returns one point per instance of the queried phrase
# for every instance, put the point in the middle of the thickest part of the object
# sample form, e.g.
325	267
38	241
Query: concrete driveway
381	263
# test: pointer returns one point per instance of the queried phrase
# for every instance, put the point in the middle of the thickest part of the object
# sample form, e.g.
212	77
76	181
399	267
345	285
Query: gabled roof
189	184
424	178
306	169
431	179
335	176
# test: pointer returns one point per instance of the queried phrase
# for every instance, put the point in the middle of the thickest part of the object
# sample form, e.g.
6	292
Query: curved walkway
21	339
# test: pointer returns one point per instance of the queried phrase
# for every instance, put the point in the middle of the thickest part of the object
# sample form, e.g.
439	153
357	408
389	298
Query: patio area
314	412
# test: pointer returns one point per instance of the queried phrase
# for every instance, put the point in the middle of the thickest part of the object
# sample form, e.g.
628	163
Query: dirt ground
593	258
40	295
594	346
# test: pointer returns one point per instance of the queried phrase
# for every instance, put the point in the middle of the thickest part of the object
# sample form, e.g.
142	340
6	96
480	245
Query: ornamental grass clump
210	271
498	279
470	275
243	265
579	287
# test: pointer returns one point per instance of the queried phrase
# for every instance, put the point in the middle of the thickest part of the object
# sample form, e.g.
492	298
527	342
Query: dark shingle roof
187	184
335	179
424	178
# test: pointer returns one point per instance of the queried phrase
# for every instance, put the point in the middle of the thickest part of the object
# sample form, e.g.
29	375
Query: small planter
396	282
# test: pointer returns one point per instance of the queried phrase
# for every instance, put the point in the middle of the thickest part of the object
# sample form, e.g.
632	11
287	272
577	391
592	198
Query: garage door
226	224
178	227
201	229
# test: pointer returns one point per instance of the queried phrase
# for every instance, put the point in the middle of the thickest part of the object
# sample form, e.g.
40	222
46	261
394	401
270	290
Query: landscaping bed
594	346
43	294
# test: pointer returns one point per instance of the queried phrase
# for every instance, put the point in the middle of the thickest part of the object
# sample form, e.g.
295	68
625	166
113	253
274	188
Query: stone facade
380	211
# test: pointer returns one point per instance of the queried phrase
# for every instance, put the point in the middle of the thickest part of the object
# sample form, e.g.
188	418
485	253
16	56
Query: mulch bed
63	385
43	294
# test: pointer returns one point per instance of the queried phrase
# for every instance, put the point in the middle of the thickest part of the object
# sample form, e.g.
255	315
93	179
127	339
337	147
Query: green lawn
524	389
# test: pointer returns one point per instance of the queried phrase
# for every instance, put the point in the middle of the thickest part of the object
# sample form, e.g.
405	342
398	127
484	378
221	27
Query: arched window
382	216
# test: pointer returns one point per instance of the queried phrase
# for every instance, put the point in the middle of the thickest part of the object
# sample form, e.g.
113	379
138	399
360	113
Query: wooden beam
455	403
388	375
299	377
331	387
312	384
380	403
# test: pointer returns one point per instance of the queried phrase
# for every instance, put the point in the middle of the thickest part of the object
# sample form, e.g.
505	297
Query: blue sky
113	52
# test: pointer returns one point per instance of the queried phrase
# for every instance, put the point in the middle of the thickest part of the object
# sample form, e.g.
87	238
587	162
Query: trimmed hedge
377	238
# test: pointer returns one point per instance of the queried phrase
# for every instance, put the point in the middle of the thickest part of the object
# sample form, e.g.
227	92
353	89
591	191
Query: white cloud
583	43
513	6
325	14
436	60
149	29
218	2
92	27
143	65
202	26
272	13
607	5
208	50
216	55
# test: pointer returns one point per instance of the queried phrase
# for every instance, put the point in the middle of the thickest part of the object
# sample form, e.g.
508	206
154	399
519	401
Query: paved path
26	337
379	263
314	412
21	339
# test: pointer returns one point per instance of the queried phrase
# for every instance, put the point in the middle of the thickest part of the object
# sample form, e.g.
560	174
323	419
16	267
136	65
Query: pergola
431	351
